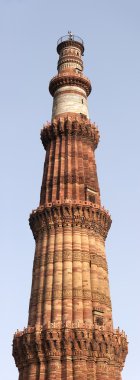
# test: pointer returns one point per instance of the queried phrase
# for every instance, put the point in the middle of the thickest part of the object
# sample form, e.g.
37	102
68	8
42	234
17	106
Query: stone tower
70	334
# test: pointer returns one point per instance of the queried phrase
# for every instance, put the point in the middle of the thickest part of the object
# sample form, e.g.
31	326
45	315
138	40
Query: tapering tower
70	334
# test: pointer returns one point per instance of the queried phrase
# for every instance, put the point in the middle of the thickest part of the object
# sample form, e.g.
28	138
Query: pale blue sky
29	30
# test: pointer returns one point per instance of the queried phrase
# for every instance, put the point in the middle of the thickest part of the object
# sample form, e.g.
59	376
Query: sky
29	30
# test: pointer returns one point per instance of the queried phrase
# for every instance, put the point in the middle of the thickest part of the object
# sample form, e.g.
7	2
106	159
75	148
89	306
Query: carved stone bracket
73	126
82	214
36	343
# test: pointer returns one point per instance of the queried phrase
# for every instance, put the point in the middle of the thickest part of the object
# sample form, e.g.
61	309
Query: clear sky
29	30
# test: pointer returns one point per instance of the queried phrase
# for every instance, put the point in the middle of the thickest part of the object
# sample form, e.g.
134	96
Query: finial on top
70	35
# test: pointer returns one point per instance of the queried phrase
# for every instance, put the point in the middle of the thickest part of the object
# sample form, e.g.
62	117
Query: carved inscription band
69	256
69	294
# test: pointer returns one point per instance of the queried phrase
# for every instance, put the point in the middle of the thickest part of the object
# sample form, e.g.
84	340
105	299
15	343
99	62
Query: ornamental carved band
67	126
72	80
35	344
70	214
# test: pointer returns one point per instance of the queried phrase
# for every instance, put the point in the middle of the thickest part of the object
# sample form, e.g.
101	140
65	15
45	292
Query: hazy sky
29	30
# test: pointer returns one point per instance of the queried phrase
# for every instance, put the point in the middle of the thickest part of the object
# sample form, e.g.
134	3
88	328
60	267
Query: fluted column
93	179
103	283
91	369
45	175
57	276
79	369
49	278
66	167
114	372
67	275
67	368
85	163
69	168
25	372
35	282
117	372
75	174
87	302
102	370
40	298
93	265
50	173
62	167
77	302
31	372
43	371
55	173
81	170
54	369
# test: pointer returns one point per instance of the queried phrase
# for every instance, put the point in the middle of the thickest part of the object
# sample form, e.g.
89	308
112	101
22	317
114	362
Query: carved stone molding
86	294
86	256
57	257
70	59
48	295
35	343
76	256
73	126
77	293
82	214
69	79
67	256
49	257
101	298
70	178
59	294
99	261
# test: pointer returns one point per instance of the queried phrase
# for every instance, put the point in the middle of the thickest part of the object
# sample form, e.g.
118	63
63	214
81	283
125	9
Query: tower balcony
70	79
70	40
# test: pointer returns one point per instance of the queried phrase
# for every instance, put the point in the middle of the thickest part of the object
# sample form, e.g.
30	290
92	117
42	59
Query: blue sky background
29	30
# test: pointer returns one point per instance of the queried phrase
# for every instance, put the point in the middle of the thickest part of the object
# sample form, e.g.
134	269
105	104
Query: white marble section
70	101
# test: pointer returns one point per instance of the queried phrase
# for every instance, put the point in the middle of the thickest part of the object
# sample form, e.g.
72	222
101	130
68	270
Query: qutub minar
70	334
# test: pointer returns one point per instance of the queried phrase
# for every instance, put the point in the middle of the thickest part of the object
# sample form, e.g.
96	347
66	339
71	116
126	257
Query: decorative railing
70	37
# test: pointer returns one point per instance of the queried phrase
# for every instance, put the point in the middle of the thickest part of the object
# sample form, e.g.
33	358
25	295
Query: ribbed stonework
70	334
